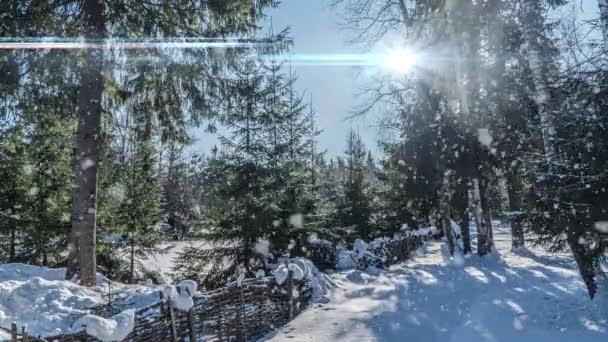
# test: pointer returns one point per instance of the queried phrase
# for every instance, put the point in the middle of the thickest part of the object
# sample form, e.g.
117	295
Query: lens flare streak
388	61
72	44
394	61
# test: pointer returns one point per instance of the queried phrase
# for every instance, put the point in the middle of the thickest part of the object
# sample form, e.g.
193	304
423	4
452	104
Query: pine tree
185	197
94	21
248	207
355	206
48	187
11	191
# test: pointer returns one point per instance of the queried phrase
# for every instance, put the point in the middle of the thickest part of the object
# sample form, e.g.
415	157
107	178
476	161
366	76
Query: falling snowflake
484	137
297	220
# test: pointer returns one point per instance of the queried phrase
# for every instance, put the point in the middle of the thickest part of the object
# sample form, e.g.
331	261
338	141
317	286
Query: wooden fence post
171	314
14	331
243	314
24	337
192	333
162	302
172	320
290	292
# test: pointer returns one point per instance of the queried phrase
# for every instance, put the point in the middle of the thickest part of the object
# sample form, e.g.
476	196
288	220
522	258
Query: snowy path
528	297
165	262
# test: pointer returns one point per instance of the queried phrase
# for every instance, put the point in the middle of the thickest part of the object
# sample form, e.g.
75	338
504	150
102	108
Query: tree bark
514	188
461	204
444	208
12	255
132	259
487	214
82	241
471	40
482	218
533	25
603	4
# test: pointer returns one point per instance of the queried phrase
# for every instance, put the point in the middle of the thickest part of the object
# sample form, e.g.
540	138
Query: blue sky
314	27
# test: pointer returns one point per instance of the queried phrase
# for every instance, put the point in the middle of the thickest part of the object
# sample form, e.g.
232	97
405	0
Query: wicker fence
235	312
232	313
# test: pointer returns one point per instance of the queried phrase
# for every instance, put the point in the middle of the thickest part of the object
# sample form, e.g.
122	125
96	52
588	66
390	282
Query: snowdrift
515	297
40	298
107	330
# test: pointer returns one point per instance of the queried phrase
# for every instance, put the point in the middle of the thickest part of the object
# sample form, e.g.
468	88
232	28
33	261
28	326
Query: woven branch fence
234	312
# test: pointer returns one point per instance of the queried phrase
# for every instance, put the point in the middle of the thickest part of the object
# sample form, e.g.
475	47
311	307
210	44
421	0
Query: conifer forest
182	146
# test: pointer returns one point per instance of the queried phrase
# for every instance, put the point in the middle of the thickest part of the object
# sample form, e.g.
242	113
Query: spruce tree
355	206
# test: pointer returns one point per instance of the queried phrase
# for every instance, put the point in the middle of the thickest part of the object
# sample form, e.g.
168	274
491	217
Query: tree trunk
603	4
466	232
514	188
471	40
487	214
534	25
132	259
482	218
464	20
12	255
444	208
461	204
585	264
82	244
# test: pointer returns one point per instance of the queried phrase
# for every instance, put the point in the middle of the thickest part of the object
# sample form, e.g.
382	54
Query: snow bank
4	336
359	277
40	298
536	298
107	330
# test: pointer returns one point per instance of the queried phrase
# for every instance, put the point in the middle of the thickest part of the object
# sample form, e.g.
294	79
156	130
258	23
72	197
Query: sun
399	61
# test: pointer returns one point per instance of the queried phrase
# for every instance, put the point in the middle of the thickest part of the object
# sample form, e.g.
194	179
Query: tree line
506	115
509	95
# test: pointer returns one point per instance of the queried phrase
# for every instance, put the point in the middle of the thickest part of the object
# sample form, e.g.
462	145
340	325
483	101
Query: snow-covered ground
164	262
41	299
528	296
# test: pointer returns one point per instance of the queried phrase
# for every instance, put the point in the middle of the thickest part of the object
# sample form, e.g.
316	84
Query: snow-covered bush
304	273
107	329
322	252
379	253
